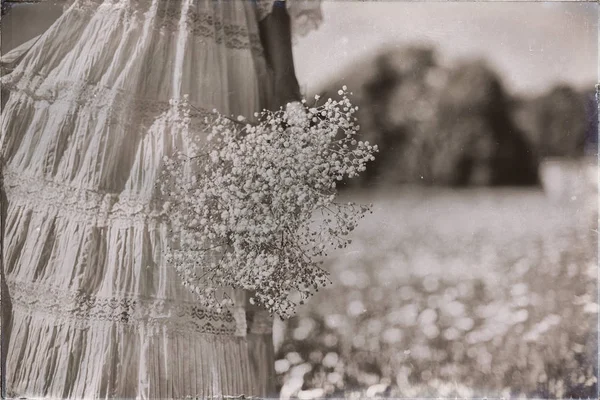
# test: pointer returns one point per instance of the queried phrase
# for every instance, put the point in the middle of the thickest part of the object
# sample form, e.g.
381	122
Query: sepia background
477	273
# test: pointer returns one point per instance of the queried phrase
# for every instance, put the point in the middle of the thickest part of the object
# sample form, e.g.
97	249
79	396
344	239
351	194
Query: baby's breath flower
254	206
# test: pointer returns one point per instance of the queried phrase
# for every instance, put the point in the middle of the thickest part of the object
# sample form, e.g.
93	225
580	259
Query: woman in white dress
91	309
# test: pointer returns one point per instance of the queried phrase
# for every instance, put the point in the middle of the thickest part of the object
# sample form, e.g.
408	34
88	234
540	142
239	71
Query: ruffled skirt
94	310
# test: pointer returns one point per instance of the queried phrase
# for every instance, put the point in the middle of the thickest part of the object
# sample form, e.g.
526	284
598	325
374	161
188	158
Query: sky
533	45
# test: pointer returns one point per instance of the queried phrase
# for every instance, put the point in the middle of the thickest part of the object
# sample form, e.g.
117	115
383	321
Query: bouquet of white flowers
254	207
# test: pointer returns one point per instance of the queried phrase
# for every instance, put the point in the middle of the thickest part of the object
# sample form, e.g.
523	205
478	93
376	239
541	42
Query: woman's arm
276	37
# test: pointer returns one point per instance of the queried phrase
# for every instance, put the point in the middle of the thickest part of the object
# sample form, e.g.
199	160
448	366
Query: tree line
457	125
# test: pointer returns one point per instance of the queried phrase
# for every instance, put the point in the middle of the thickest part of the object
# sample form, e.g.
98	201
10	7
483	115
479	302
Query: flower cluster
253	206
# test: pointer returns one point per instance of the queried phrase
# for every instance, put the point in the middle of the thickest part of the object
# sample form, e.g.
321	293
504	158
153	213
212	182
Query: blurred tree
392	89
436	125
561	123
475	141
399	103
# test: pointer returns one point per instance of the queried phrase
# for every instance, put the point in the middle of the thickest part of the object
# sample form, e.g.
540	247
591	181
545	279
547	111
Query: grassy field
453	294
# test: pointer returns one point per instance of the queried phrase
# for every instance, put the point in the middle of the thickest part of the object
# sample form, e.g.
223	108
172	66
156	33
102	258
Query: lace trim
203	25
100	208
81	309
138	110
207	26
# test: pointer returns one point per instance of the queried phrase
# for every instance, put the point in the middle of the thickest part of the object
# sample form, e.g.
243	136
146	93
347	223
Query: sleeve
306	15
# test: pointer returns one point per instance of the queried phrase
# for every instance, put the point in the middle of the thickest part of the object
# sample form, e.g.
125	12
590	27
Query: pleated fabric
95	312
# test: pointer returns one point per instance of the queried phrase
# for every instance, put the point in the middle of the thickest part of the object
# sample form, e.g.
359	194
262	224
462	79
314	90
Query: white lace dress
95	313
